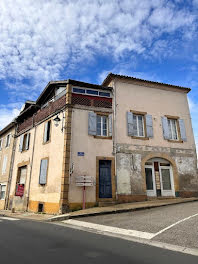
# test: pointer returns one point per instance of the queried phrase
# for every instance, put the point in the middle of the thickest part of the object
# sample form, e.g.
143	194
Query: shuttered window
43	172
47	131
100	125
7	143
4	165
24	142
139	125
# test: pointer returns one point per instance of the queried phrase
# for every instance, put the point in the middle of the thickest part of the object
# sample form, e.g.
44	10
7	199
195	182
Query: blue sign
81	154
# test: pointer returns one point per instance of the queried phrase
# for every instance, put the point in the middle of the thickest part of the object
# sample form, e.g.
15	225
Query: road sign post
84	181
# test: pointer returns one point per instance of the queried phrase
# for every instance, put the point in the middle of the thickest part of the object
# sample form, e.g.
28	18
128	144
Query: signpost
83	181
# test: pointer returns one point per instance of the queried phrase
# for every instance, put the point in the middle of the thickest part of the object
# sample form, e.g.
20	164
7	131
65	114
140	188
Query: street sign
81	154
86	184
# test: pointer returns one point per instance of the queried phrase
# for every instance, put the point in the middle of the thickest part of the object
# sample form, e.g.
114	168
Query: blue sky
85	39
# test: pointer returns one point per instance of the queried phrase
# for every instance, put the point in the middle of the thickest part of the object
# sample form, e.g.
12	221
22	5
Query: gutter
28	195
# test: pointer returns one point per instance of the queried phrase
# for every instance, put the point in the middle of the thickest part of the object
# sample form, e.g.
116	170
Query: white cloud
7	115
45	40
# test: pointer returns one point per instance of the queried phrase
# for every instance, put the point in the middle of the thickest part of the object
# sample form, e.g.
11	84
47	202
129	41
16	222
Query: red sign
19	190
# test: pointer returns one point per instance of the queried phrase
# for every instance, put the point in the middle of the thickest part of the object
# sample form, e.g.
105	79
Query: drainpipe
11	169
114	135
28	195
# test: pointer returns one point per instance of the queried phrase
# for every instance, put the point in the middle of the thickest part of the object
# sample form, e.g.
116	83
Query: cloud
8	113
47	40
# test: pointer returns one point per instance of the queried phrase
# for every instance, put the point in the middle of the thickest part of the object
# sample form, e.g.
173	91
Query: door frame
113	185
171	192
149	192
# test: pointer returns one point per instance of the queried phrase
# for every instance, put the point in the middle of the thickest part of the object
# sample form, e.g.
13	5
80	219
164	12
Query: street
25	241
175	224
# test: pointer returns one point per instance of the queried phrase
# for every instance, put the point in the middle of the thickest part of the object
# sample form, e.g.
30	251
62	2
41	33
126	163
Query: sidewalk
26	215
121	208
118	208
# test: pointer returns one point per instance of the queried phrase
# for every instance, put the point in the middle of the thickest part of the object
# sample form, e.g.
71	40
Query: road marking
176	223
8	218
111	229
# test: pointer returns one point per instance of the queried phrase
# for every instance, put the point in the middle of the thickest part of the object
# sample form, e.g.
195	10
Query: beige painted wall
6	151
92	147
157	103
53	150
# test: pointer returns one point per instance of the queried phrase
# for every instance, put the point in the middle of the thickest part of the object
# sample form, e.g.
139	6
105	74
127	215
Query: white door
150	180
166	179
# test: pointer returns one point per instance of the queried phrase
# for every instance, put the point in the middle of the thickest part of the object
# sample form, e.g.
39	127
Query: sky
44	40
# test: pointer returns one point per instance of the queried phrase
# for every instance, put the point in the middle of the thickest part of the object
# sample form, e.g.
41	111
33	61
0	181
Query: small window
173	131
138	125
2	191
104	94
1	143
47	131
102	125
43	172
92	92
78	90
7	144
24	142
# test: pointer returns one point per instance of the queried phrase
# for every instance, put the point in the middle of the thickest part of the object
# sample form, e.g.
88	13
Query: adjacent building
6	162
128	139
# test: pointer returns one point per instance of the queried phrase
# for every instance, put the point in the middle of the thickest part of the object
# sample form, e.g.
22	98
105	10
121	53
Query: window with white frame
1	143
138	125
172	126
7	143
102	125
2	191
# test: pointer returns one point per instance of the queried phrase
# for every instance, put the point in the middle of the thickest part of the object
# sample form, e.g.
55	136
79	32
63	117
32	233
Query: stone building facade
130	139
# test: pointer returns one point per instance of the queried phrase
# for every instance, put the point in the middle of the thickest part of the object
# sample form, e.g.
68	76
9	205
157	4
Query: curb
124	210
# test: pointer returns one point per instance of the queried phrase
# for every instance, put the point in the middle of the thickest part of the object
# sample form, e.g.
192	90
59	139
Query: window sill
102	137
44	143
142	138
175	141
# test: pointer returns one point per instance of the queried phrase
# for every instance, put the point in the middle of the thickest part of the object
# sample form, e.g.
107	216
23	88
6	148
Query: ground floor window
2	191
21	179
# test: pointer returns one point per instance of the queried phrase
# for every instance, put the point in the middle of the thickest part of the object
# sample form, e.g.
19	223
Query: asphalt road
154	220
35	242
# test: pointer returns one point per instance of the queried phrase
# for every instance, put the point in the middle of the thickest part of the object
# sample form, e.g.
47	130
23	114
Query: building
129	139
6	162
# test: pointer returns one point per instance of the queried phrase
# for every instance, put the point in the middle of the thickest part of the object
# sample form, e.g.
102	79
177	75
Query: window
7	144
47	131
138	125
4	165
2	191
91	92
172	126
43	171
78	90
21	179
102	125
1	143
104	94
24	142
